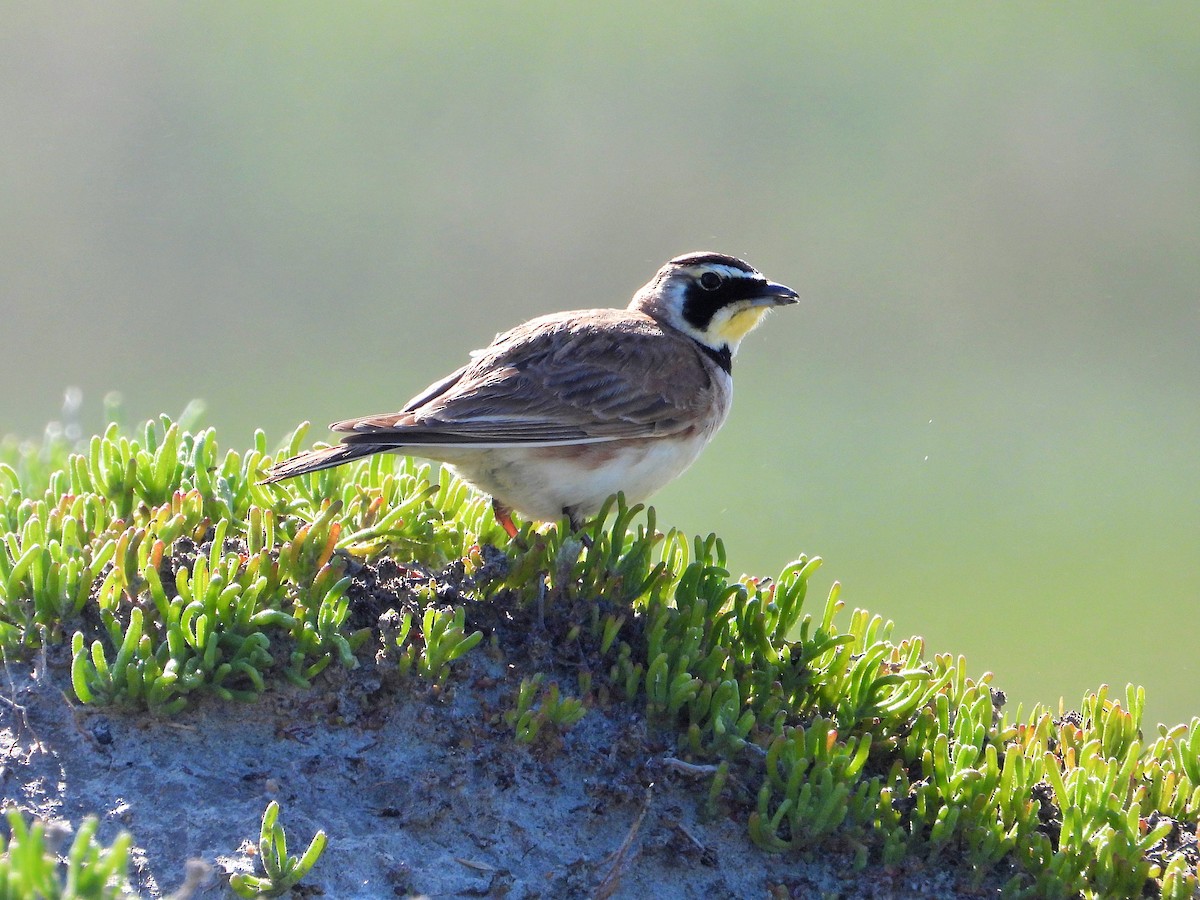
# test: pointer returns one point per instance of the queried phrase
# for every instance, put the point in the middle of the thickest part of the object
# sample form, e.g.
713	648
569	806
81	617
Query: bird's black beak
773	294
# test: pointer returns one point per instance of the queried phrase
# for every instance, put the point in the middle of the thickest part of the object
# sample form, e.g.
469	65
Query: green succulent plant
170	571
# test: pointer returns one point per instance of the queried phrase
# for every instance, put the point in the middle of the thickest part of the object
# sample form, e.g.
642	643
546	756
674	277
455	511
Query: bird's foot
503	516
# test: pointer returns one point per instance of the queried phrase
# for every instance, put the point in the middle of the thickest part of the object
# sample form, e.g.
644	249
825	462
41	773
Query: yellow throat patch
738	325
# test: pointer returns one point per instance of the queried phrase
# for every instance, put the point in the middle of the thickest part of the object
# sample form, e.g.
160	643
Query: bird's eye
710	281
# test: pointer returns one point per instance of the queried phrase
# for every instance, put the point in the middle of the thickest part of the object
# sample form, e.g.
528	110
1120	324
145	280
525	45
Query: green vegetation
283	872
555	710
30	865
171	572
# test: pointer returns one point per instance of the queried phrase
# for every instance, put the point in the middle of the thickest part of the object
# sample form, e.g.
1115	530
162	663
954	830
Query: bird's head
713	298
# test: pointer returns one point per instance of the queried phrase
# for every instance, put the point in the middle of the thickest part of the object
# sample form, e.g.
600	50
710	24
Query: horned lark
562	412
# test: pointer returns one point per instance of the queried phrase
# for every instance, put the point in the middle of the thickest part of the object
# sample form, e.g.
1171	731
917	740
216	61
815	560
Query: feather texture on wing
573	377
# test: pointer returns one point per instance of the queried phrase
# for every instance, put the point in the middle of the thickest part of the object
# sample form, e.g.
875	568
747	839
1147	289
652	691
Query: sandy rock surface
421	792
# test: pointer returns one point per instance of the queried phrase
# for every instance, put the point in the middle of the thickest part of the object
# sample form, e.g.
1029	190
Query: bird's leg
576	521
503	515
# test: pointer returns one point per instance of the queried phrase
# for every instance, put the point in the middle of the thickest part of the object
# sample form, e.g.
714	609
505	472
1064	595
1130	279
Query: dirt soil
422	791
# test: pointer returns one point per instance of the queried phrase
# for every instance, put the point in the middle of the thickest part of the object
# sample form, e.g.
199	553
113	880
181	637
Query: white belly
542	483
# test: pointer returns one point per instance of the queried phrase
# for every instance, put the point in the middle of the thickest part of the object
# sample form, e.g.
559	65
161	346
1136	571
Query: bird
560	413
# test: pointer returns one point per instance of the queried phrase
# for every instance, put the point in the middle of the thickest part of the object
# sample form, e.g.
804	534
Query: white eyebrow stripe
728	272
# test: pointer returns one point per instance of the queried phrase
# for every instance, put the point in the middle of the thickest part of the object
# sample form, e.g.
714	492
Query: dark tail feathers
316	460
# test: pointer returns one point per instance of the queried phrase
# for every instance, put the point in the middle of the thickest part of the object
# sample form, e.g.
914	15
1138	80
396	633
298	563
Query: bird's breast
540	483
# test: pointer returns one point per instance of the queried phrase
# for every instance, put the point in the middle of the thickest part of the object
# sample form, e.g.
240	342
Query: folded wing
565	378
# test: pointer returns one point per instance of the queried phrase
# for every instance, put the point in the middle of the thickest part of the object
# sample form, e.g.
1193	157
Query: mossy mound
172	575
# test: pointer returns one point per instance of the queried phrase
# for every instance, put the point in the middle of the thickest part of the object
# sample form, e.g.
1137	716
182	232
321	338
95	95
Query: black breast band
722	357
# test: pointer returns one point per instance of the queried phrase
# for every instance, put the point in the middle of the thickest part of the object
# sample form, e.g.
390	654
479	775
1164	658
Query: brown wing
585	376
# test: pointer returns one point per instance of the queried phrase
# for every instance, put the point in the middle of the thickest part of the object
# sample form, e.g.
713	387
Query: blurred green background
985	415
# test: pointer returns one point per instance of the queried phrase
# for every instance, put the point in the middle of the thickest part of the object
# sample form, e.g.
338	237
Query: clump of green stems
31	864
282	872
537	709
